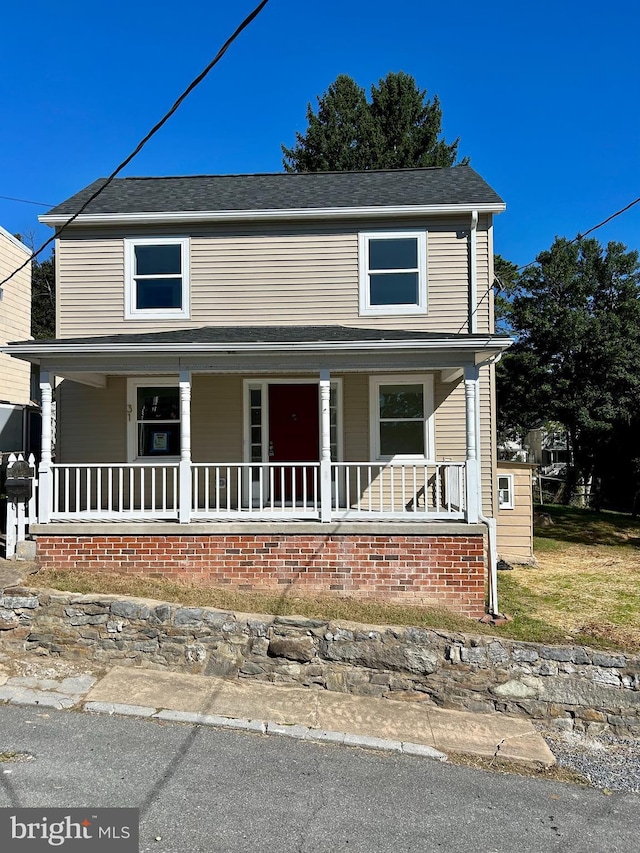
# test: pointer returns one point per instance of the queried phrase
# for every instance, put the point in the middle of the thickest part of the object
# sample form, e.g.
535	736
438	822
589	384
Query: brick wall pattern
434	570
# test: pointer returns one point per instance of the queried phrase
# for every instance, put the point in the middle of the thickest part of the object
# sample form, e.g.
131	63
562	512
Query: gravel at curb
277	729
609	763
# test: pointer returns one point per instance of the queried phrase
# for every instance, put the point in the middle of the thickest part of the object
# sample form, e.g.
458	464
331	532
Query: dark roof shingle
232	335
282	191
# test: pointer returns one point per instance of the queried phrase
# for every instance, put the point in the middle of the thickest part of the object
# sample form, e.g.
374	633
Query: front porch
251	491
329	460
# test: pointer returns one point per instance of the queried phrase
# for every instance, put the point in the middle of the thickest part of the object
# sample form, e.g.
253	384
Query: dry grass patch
585	589
591	591
223	598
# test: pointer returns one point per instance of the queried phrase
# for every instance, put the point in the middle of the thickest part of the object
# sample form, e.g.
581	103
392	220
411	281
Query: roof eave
28	350
169	217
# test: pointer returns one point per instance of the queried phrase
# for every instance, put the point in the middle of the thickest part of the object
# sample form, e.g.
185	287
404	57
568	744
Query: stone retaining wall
442	570
572	686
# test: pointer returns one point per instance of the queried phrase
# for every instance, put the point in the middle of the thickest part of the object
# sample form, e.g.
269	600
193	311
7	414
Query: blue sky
544	96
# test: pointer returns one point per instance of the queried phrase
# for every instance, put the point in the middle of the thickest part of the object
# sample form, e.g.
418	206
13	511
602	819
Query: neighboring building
15	325
276	381
515	511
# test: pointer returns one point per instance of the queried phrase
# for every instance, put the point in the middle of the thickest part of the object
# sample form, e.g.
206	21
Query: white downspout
473	274
492	537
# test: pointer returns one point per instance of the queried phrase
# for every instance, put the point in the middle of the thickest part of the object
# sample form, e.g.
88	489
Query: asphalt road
201	790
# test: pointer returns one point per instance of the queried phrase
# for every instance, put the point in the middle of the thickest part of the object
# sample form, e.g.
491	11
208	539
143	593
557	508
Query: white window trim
510	504
426	380
363	267
132	416
131	312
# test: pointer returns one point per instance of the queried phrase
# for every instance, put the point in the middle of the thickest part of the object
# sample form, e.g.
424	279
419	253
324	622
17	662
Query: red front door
294	436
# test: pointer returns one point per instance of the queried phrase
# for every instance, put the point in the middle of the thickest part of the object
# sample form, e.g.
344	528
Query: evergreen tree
43	298
576	314
399	128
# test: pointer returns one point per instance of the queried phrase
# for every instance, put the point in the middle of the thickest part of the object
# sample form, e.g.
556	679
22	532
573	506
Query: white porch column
44	470
185	490
471	473
325	446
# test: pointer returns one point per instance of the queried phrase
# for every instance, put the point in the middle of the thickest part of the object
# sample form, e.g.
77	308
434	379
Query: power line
531	263
245	23
25	201
579	236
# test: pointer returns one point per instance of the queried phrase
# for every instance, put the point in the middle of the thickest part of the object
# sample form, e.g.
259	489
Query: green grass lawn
584	589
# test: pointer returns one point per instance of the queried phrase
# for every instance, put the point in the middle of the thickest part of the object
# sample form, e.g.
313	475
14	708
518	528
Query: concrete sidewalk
412	727
418	728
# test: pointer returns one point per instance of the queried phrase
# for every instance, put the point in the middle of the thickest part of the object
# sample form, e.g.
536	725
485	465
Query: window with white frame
505	491
157	278
393	272
154	419
402	417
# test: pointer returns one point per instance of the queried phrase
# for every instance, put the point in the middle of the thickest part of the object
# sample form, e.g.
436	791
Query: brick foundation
436	570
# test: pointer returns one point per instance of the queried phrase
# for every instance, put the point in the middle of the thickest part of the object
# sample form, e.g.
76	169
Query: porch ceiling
261	349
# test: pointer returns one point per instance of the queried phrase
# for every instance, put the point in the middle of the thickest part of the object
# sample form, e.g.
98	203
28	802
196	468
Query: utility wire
254	14
591	230
531	263
25	201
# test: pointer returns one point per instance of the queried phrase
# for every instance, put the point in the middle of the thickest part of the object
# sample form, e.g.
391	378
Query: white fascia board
474	345
170	217
15	241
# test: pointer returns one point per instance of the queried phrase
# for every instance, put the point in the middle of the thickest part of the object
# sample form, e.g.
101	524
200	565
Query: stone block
515	689
559	653
26	550
477	655
18	602
188	616
300	648
604	659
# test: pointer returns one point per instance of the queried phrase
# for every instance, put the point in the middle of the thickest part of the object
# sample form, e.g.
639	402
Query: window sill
393	311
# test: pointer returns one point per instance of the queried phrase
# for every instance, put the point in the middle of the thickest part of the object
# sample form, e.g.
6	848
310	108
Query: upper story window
393	272
157	278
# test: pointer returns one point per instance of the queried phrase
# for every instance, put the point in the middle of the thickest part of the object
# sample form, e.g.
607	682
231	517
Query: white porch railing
406	491
113	492
398	490
256	490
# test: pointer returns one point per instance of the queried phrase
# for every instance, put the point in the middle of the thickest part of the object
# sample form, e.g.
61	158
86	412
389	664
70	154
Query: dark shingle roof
282	191
265	334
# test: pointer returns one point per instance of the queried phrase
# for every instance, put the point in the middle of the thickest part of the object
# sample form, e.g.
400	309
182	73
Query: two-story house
276	382
15	324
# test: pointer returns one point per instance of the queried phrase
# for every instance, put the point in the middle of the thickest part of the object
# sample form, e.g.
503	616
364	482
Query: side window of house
505	491
401	417
157	278
393	272
157	421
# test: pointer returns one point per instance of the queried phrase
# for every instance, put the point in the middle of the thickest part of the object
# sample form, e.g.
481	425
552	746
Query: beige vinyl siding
275	274
217	419
355	392
91	422
484	261
90	288
15	322
515	526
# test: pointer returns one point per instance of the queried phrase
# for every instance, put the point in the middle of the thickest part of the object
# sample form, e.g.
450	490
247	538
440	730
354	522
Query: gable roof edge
168	217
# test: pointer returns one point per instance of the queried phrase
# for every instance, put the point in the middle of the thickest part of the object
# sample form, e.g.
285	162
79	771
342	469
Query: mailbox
19	488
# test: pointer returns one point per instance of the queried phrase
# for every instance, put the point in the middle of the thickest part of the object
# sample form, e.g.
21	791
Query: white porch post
44	470
325	446
472	475
185	490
